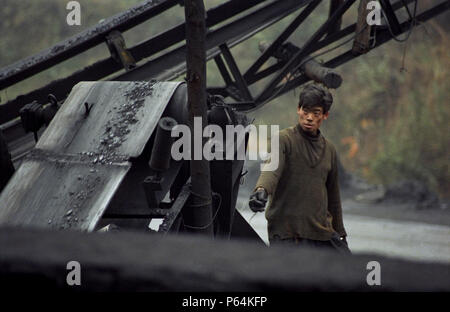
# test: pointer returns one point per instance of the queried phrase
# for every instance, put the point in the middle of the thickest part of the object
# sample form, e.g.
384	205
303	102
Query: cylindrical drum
160	159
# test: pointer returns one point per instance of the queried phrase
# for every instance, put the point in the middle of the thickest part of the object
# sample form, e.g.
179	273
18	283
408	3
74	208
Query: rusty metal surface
72	174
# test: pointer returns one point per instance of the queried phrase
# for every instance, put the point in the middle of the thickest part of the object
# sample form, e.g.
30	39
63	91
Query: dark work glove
258	200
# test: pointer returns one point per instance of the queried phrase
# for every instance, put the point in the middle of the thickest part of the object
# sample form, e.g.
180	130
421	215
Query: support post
334	28
361	44
198	214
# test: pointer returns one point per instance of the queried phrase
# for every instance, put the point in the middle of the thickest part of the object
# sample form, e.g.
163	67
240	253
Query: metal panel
68	180
60	192
122	118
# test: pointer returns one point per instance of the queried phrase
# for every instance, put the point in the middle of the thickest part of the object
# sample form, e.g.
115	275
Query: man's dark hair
315	95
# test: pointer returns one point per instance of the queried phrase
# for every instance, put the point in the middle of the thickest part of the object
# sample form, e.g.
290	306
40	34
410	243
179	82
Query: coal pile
412	191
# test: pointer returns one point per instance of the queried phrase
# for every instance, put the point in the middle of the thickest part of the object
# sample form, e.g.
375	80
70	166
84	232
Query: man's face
310	118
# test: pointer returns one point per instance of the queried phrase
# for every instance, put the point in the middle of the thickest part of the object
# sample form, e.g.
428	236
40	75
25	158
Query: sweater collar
307	135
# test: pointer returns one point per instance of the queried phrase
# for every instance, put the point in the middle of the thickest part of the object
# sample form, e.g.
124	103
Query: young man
305	206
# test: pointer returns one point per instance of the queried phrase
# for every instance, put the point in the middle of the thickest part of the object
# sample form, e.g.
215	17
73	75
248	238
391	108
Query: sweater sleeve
334	199
269	179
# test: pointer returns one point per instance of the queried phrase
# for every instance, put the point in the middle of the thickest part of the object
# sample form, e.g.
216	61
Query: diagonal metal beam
330	38
81	42
61	87
334	4
174	212
306	49
281	38
390	16
223	70
95	35
319	45
382	37
171	65
240	82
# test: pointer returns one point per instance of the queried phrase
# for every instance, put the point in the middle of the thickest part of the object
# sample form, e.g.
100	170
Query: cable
213	218
404	40
413	21
411	25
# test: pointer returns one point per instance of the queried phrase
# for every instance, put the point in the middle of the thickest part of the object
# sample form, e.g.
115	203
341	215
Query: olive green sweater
304	189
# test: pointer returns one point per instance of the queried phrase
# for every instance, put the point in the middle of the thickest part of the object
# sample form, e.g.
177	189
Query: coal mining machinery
92	151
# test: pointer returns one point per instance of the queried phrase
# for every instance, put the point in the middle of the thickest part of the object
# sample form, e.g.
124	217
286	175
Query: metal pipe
198	214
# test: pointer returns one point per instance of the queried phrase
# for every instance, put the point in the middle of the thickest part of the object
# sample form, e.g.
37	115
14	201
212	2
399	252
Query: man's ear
325	116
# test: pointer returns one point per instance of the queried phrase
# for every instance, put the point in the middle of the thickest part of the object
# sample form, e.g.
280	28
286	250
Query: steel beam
172	64
383	36
174	212
305	50
279	65
390	16
240	82
223	70
334	4
81	42
231	33
281	38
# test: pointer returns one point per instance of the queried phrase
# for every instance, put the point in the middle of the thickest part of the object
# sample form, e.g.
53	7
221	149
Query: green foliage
398	119
415	143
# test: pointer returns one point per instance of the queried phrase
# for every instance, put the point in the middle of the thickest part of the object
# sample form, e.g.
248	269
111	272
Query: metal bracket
117	48
174	212
391	17
240	81
361	44
152	184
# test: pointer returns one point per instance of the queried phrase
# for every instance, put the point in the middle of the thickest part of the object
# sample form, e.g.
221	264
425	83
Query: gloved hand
258	200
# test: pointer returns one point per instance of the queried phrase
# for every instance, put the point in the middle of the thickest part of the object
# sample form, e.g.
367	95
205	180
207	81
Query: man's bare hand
258	200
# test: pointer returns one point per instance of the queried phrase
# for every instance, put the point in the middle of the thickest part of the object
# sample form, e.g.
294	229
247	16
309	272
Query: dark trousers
334	244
